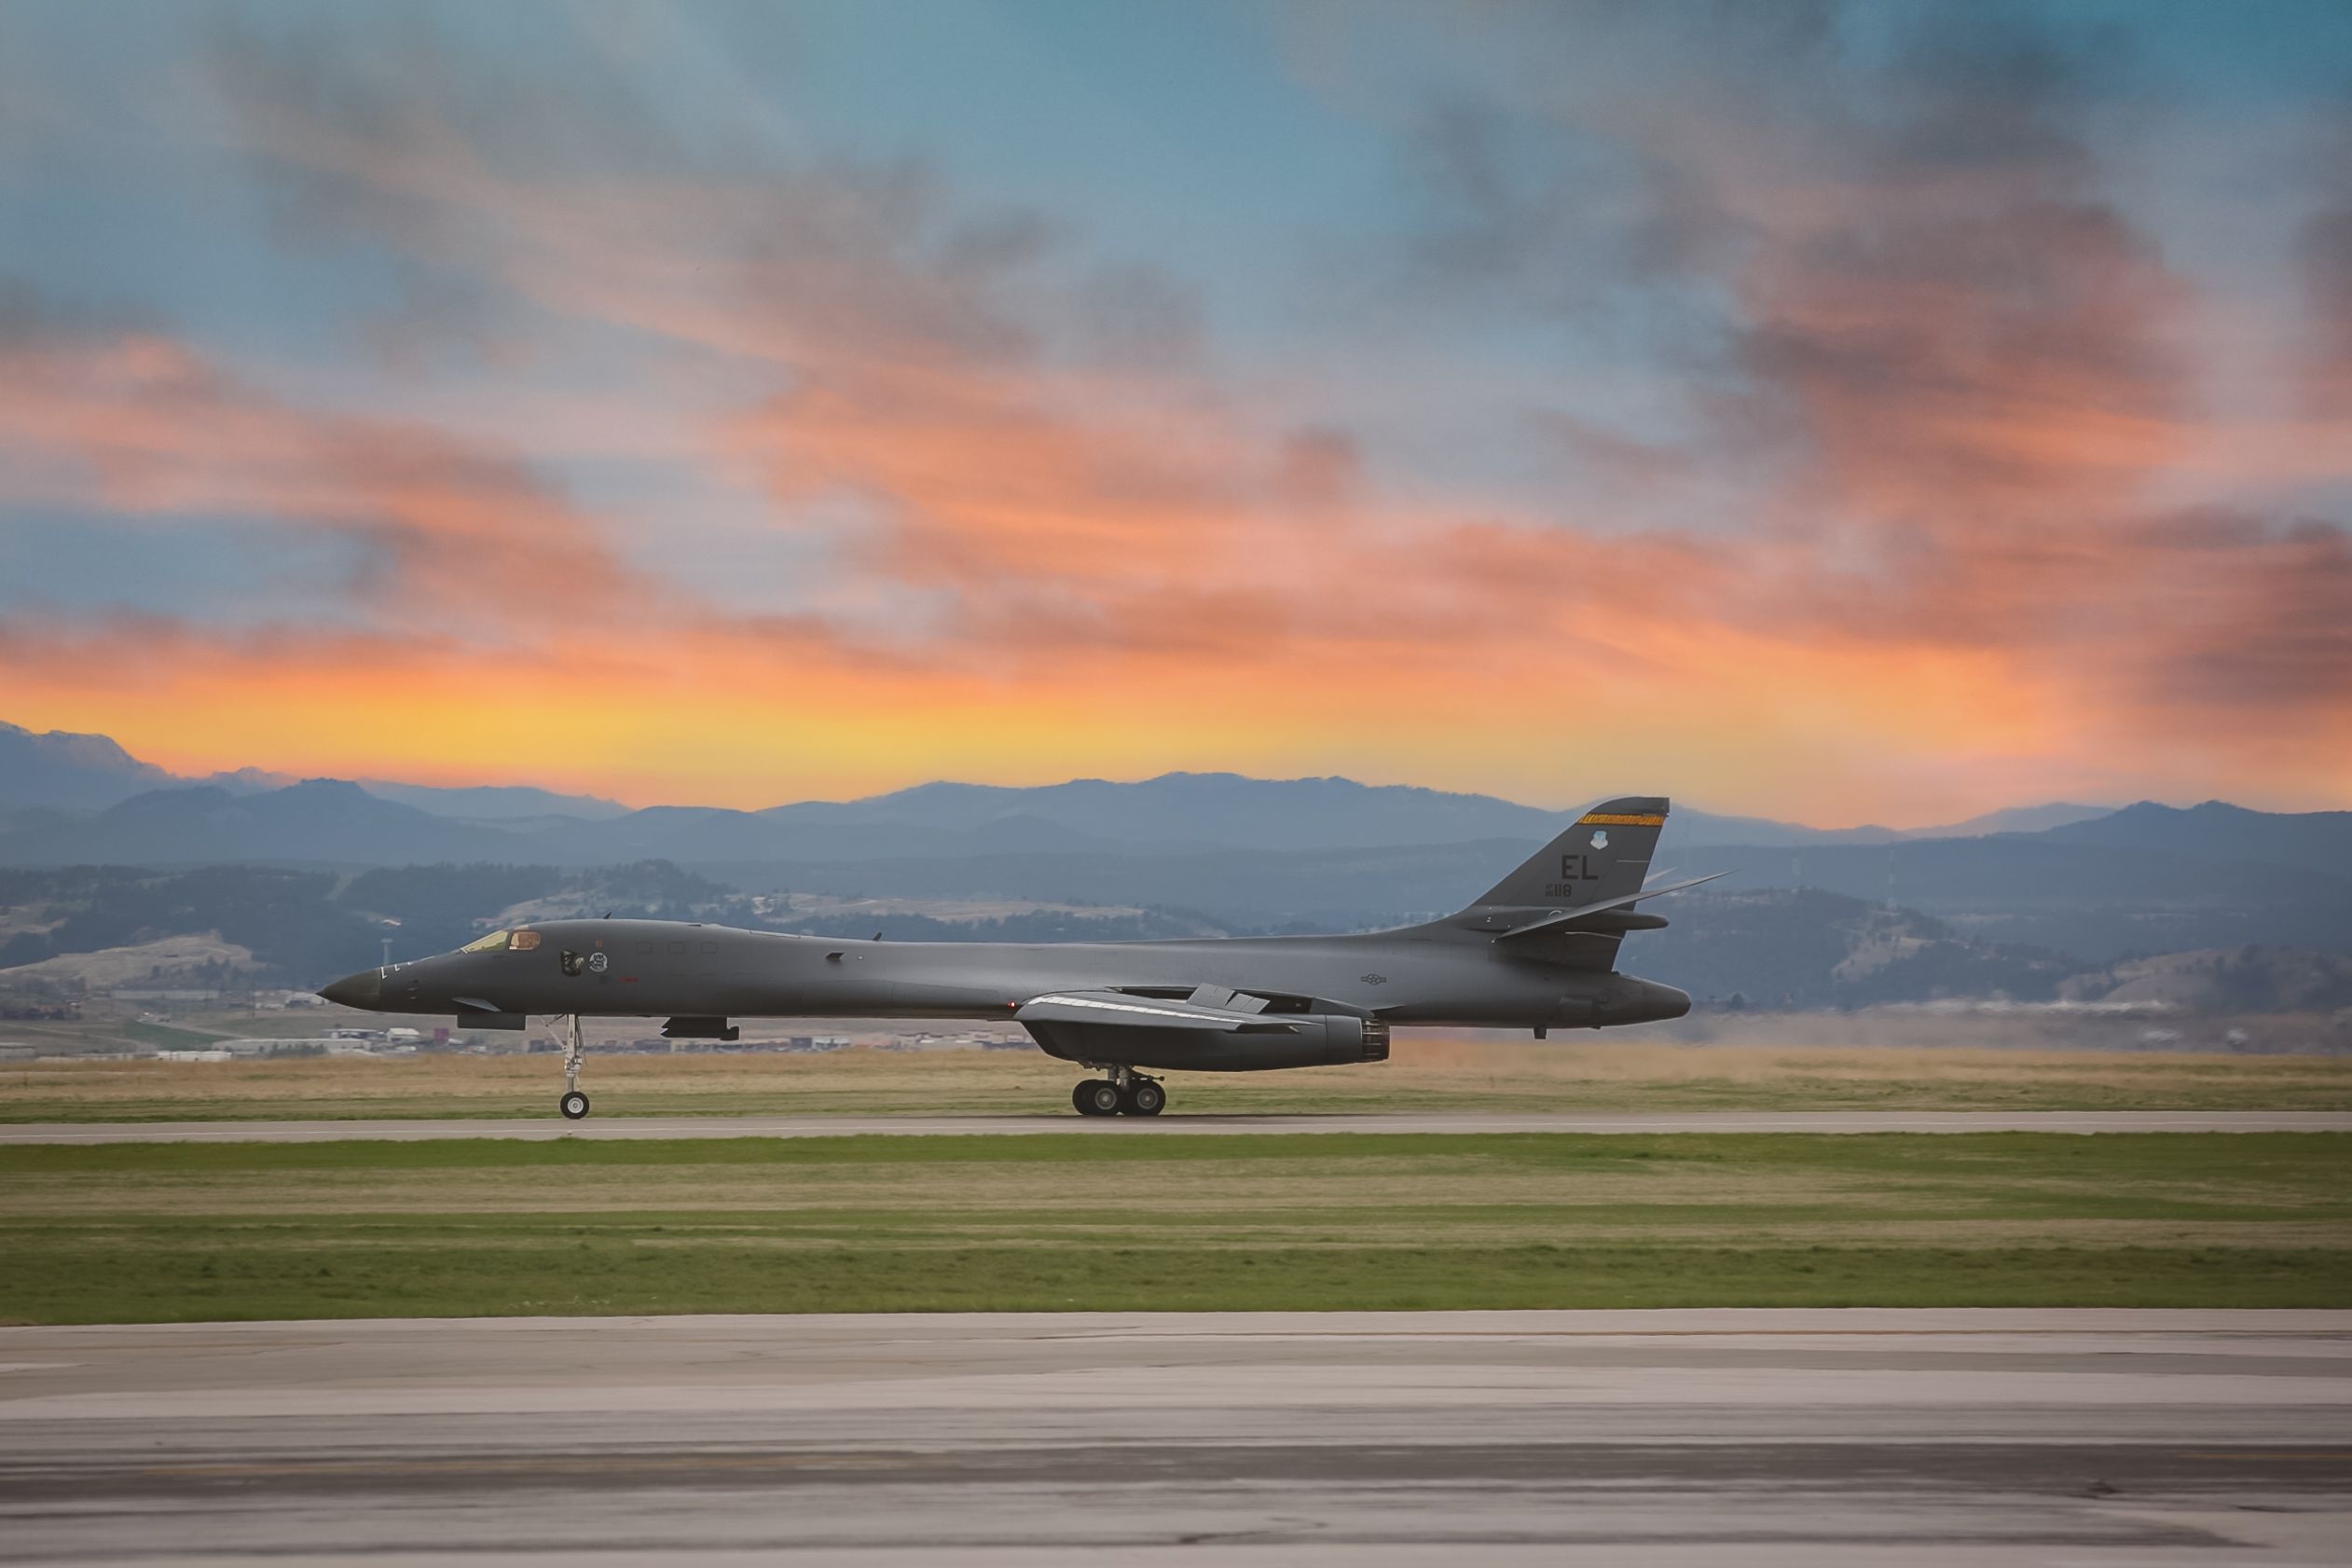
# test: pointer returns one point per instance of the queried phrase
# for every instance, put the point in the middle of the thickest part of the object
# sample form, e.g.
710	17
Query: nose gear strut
574	1105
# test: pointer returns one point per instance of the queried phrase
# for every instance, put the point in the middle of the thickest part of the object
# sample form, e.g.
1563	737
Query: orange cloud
139	425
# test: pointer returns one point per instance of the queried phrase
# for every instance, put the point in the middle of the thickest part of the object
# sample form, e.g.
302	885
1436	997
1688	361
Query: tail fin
1604	855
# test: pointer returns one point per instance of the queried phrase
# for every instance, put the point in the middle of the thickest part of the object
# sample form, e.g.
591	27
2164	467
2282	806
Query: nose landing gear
1124	1093
574	1105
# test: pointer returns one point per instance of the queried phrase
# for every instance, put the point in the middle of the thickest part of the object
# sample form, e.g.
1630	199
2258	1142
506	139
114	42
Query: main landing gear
1124	1093
574	1105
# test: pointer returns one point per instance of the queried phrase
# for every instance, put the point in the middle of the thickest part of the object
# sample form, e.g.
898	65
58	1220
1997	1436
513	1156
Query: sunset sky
1834	412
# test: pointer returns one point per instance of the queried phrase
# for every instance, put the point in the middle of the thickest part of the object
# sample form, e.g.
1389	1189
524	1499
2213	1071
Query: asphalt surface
1821	1438
553	1127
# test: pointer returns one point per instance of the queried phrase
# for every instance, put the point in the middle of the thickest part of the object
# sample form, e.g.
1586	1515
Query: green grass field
149	1232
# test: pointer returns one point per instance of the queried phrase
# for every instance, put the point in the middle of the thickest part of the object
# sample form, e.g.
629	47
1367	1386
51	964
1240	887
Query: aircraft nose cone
361	990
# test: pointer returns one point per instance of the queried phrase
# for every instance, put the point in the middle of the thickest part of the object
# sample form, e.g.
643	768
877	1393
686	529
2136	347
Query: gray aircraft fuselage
1419	975
1536	952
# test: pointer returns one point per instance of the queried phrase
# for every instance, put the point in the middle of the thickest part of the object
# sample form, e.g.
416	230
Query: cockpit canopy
503	942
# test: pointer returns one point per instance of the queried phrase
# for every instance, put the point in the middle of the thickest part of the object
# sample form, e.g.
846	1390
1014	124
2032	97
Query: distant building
41	1012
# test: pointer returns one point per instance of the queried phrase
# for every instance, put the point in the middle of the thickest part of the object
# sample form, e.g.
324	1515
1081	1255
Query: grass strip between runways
465	1227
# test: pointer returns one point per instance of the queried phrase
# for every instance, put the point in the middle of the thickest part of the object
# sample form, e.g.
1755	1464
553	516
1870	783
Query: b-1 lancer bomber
1538	951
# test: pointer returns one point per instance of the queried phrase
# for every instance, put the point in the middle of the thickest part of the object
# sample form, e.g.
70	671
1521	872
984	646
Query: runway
552	1126
1819	1439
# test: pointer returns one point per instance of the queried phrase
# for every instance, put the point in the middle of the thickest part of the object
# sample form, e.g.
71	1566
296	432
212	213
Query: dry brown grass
1433	1071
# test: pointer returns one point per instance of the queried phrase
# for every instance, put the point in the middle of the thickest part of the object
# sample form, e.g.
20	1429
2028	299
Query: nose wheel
1126	1093
574	1105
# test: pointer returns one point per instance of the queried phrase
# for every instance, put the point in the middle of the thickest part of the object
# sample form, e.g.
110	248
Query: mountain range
1245	853
67	798
63	772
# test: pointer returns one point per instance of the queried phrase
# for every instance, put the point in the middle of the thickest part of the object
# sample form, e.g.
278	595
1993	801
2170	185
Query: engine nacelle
1307	1039
1323	1040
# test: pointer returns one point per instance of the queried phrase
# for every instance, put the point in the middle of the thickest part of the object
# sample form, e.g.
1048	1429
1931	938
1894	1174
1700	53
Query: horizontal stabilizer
1567	921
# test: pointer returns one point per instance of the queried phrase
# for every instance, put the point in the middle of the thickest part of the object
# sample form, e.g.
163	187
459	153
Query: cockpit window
502	941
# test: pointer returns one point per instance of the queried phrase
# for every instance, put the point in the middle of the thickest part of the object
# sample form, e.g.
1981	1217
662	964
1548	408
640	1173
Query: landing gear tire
1096	1097
1145	1098
575	1105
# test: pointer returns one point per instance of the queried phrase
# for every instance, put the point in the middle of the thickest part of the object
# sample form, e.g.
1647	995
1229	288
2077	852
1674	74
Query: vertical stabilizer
1603	854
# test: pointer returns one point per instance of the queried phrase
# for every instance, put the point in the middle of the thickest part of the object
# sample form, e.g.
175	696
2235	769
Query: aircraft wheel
1146	1098
575	1105
1096	1097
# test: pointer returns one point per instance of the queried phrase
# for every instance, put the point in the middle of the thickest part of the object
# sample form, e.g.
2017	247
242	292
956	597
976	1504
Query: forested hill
1759	948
